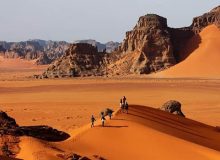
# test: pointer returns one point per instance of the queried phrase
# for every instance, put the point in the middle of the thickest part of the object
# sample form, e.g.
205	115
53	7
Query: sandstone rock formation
151	46
174	107
80	59
212	17
147	48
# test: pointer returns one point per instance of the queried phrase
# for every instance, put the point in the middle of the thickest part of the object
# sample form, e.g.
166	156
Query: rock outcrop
147	48
80	59
6	121
212	17
150	47
10	132
8	126
174	107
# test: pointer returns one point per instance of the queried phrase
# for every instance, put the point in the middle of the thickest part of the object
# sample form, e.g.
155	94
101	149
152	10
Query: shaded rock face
43	59
6	121
153	46
150	47
173	107
43	132
150	40
80	59
212	17
8	126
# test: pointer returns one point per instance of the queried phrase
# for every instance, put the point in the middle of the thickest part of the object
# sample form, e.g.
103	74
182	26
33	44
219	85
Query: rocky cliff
153	46
80	59
150	47
212	17
146	48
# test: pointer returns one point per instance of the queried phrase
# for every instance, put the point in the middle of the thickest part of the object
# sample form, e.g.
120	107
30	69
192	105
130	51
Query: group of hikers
123	107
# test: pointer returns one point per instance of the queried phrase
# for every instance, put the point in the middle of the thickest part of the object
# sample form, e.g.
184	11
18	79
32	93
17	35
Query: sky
103	20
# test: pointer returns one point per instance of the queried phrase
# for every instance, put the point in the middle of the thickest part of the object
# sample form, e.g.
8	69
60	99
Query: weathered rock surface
147	48
10	132
173	106
80	59
8	126
212	17
151	46
6	121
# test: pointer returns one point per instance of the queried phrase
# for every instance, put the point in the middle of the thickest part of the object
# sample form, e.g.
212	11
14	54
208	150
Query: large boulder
173	106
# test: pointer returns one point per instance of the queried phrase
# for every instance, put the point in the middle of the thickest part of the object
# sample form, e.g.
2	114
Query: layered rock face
150	47
153	46
212	17
149	44
80	59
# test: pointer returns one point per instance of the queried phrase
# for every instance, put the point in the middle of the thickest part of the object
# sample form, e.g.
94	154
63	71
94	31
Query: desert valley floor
144	133
68	104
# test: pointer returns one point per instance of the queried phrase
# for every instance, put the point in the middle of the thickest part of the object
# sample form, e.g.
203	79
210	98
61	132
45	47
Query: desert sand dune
68	104
144	133
202	62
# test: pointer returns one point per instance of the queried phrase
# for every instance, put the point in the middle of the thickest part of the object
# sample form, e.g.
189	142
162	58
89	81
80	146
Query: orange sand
144	133
68	104
11	69
203	62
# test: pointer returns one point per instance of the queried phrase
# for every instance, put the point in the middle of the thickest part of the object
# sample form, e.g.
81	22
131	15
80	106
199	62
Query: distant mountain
108	47
45	52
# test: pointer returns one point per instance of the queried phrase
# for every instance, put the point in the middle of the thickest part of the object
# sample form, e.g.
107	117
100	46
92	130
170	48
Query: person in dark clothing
126	107
92	121
110	115
124	100
103	120
121	105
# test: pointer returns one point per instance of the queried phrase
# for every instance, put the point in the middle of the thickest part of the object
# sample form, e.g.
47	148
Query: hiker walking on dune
124	100
126	107
110	115
103	121
92	121
121	104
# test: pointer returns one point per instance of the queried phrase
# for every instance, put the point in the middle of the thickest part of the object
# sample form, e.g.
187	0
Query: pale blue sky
103	20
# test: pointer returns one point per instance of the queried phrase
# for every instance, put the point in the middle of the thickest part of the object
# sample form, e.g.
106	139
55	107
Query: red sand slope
147	133
203	62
